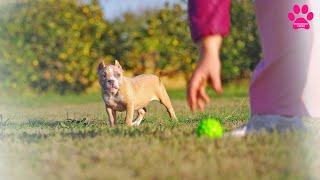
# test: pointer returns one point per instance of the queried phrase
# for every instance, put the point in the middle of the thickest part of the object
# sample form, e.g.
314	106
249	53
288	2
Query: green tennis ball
210	127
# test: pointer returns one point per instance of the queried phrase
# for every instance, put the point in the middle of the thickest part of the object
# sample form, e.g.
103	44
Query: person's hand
207	70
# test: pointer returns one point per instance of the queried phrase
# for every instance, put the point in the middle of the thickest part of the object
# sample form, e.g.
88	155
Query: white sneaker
268	123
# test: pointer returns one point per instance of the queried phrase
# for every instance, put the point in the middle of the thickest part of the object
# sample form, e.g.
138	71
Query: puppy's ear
117	64
101	65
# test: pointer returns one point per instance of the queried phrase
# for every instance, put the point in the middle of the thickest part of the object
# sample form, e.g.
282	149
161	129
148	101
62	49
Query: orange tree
159	42
53	45
241	49
50	45
156	41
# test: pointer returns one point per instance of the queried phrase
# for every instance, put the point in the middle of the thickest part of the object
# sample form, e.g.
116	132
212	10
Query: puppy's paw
135	123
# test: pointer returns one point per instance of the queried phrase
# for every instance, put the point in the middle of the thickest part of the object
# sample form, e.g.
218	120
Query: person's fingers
192	91
191	96
200	103
201	97
216	84
203	94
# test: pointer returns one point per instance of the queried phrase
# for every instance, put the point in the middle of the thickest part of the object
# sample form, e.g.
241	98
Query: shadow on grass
34	130
34	123
39	130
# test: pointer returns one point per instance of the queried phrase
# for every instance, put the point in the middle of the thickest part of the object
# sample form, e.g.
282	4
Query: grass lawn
67	137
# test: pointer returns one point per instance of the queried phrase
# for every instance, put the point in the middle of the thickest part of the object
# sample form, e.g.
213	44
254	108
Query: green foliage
241	49
159	42
51	45
156	42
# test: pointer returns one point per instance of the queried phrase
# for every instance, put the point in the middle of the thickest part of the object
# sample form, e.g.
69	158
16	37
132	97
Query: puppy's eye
117	75
104	75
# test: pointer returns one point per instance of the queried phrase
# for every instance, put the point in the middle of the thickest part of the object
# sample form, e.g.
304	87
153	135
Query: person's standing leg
279	80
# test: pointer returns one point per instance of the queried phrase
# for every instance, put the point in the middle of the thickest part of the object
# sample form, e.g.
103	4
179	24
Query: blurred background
55	45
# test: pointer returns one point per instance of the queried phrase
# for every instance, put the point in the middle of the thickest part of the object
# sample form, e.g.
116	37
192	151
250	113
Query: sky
115	8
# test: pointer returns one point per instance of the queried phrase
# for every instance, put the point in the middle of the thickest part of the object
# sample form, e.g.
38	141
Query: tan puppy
121	93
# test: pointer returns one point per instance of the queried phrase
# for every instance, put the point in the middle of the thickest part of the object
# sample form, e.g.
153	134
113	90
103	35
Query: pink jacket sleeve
208	17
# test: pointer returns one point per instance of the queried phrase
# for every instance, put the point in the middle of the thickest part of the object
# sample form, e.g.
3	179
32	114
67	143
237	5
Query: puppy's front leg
111	117
129	115
114	114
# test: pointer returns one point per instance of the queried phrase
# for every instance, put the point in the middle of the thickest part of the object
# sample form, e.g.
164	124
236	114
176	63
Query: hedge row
54	45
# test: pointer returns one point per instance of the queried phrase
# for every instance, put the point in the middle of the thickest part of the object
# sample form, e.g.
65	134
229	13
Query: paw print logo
300	17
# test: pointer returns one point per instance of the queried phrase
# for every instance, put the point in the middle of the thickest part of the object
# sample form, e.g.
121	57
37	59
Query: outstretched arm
207	70
209	22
